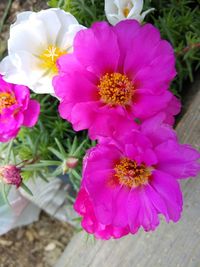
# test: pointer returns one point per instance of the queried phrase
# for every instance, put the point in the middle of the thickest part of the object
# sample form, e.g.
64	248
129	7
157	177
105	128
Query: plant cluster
115	82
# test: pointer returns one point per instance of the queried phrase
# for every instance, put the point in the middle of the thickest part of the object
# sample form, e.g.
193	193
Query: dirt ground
39	244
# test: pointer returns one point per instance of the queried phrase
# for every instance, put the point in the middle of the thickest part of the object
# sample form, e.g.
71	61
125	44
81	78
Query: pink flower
84	207
128	182
10	174
16	110
115	75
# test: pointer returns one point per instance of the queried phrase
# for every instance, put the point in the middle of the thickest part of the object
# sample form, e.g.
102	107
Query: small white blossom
117	10
36	41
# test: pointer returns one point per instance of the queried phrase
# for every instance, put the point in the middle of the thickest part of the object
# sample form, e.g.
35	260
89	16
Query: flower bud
71	162
10	174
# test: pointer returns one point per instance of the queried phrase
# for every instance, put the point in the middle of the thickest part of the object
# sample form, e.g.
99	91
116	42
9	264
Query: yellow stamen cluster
49	58
6	100
116	89
130	174
126	11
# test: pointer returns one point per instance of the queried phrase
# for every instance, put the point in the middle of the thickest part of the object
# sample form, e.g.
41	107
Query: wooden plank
171	245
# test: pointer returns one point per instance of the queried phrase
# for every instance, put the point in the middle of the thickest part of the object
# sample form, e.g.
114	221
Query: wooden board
171	245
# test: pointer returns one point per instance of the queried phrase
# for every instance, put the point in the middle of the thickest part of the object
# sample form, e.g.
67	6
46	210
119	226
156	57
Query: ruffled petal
75	86
31	113
156	130
180	161
146	105
169	190
89	48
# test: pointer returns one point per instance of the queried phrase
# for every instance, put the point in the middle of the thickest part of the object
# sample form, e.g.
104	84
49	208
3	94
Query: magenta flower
10	174
115	75
90	223
16	109
128	183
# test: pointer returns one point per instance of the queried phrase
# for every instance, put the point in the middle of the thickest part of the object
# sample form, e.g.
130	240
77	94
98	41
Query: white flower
117	10
36	41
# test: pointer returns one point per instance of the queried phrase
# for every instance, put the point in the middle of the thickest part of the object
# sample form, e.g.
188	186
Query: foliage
86	11
179	23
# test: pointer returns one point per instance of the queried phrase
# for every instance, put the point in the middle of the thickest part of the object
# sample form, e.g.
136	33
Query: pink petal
147	105
31	114
154	126
168	188
180	161
89	48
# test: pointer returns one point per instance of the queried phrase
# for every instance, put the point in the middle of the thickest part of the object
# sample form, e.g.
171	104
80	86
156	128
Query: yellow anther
126	11
6	100
116	89
49	58
130	174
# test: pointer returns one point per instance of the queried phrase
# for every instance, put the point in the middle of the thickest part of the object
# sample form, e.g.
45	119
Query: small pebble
50	247
5	243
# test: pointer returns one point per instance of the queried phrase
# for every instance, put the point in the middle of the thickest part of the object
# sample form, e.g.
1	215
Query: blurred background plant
45	150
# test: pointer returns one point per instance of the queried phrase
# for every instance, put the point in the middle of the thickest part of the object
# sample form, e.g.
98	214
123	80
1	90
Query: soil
37	245
41	243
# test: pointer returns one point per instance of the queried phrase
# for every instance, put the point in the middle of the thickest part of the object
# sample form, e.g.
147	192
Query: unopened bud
71	162
10	174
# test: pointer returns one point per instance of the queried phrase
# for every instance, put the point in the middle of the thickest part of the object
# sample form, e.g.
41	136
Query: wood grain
171	245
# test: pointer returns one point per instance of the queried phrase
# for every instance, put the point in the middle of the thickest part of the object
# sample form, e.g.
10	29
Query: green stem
5	14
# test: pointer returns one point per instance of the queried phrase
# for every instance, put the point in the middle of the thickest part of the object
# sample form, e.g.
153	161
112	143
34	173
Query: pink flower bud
10	174
71	162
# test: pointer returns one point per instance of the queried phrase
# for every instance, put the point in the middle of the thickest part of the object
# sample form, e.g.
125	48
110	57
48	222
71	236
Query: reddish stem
188	48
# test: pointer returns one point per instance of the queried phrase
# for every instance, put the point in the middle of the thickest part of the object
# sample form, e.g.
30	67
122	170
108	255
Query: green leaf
4	192
61	148
56	153
78	149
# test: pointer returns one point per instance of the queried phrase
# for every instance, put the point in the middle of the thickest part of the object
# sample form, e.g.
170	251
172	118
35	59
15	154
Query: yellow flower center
116	89
126	11
6	100
49	58
130	174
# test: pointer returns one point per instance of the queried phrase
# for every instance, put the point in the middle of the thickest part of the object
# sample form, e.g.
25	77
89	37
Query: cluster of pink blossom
116	85
113	81
16	109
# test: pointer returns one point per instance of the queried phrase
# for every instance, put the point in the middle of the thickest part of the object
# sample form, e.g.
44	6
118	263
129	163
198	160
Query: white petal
68	22
146	12
137	17
23	68
44	85
29	36
137	7
66	43
114	19
65	18
23	16
121	4
51	24
111	11
9	68
110	7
